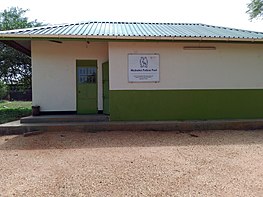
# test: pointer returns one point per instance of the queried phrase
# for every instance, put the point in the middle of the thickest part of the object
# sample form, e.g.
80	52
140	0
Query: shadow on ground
75	140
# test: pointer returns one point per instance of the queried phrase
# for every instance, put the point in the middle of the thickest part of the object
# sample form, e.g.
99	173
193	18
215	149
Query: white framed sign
143	68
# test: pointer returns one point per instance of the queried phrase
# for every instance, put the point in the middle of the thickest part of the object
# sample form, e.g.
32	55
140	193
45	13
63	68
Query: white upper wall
54	72
230	66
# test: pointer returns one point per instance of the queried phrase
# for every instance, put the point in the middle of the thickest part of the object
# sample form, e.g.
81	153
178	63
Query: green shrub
7	115
3	90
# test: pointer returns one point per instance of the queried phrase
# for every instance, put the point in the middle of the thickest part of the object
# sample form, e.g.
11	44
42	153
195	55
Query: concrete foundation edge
180	126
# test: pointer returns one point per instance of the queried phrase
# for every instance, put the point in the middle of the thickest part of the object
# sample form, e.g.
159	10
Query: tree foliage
3	90
255	9
15	67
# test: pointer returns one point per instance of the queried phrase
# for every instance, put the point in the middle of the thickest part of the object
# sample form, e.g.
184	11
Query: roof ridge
35	28
231	28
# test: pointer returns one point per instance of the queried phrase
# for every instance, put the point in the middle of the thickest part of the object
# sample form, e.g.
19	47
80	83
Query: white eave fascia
119	37
167	38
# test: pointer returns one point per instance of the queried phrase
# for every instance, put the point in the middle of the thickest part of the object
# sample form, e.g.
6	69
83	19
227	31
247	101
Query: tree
3	90
15	67
255	9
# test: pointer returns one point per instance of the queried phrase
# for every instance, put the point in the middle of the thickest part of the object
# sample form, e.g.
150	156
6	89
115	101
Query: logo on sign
144	62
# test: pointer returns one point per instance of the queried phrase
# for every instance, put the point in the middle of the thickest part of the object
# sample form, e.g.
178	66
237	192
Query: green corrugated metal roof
135	30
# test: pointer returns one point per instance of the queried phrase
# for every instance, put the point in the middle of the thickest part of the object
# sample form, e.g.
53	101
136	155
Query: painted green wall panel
185	104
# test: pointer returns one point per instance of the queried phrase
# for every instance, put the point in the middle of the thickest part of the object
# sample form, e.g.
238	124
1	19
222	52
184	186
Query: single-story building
144	71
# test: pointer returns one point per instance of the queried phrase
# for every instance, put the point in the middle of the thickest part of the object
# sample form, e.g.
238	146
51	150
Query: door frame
103	96
84	62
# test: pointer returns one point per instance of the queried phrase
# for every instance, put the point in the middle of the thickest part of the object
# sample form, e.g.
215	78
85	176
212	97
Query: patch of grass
14	110
15	104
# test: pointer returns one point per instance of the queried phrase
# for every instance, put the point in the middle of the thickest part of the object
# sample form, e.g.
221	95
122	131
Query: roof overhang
28	37
23	46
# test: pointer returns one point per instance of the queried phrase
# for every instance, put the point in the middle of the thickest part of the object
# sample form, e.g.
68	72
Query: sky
227	13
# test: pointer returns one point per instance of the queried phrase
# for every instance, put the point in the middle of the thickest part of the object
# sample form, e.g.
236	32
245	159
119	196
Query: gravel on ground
122	163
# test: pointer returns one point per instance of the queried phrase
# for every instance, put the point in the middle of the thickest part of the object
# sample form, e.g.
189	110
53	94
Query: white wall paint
230	66
54	72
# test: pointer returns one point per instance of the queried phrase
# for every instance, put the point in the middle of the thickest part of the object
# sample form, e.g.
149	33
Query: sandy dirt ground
150	163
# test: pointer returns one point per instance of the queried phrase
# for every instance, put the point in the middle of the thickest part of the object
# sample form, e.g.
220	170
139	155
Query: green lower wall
185	104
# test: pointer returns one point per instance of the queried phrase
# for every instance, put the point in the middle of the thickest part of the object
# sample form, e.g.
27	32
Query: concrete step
179	126
64	118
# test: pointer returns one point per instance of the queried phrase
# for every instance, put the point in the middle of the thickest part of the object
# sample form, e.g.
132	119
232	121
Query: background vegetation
15	67
255	9
10	111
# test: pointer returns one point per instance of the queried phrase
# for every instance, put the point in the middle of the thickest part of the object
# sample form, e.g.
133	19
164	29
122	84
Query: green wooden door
87	87
105	76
